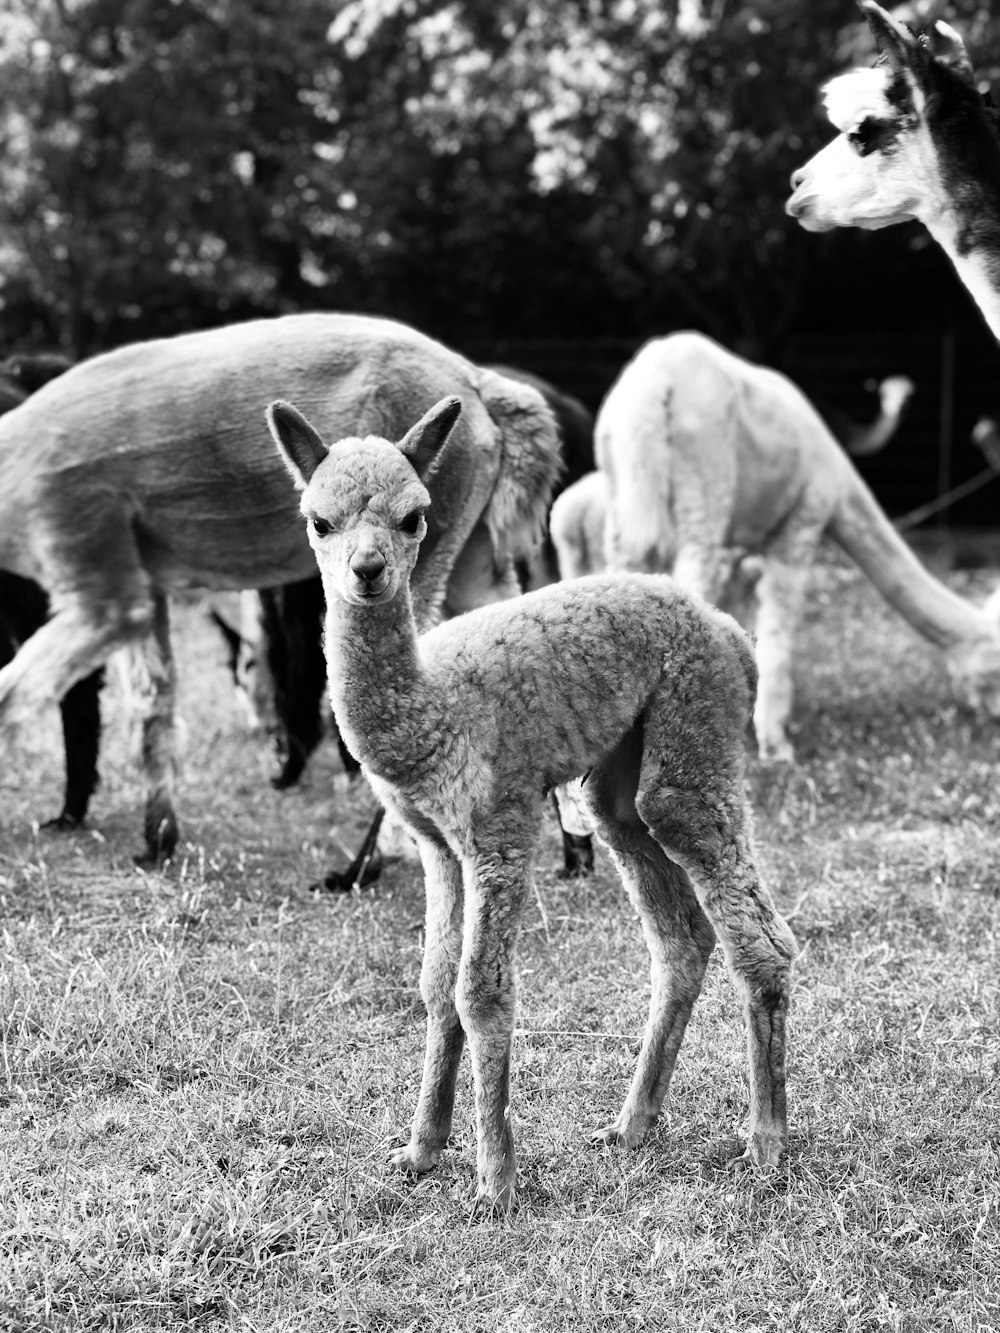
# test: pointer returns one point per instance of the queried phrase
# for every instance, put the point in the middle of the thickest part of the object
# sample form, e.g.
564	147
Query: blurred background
546	183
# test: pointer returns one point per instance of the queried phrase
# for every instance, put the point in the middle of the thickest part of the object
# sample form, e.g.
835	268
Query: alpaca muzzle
370	569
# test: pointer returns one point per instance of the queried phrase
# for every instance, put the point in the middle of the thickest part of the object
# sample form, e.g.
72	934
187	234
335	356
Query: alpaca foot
415	1160
161	839
362	871
62	823
287	777
578	856
619	1134
763	1151
490	1205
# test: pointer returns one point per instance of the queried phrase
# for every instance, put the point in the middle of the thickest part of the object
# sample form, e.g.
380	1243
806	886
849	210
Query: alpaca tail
634	448
531	463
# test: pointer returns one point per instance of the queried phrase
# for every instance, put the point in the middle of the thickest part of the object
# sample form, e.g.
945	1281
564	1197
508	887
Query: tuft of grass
203	1070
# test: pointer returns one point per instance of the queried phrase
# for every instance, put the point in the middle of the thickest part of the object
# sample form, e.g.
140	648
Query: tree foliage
478	167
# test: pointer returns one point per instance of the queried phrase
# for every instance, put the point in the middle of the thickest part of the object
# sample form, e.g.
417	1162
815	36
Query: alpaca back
542	664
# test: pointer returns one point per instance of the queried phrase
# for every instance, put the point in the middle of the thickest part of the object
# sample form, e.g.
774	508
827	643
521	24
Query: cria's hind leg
677	932
691	797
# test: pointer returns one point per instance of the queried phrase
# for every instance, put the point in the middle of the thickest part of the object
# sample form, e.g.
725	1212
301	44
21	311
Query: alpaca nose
798	176
367	565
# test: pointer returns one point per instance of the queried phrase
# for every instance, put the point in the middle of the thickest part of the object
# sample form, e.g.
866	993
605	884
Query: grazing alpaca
703	451
463	730
24	608
118	485
916	141
579	510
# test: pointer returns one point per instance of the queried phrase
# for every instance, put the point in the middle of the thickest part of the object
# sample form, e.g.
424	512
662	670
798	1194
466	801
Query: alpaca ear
423	443
947	48
893	39
298	442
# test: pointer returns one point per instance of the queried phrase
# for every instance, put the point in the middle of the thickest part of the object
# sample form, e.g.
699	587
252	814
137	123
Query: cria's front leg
438	977
494	895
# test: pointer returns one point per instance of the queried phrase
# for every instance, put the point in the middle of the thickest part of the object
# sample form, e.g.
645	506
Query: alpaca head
978	673
364	500
891	160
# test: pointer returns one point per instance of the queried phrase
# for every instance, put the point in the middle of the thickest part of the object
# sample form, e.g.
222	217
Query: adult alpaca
146	469
702	452
916	141
579	510
462	731
24	608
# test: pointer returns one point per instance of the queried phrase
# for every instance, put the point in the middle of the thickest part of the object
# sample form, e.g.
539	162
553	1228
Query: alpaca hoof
415	1161
64	823
764	1155
354	877
615	1135
488	1205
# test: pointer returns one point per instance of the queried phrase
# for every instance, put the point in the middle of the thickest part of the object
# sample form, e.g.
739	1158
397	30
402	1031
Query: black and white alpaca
917	140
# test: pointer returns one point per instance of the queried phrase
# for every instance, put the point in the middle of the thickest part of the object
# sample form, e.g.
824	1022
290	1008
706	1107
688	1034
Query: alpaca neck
972	242
861	527
380	694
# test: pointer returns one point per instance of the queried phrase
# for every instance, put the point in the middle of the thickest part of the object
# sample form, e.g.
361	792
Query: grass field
202	1071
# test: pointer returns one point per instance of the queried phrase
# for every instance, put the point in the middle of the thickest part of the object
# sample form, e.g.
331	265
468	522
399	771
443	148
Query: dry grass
202	1071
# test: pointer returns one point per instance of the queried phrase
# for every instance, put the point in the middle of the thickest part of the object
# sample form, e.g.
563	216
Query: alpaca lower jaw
804	210
364	595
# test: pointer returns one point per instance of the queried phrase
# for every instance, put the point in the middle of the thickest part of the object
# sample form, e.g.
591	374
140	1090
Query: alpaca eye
411	523
321	527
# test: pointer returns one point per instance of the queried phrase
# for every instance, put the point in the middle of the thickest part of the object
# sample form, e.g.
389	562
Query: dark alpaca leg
24	608
81	724
292	619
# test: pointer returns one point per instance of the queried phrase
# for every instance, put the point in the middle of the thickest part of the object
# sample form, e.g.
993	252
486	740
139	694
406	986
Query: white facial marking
851	98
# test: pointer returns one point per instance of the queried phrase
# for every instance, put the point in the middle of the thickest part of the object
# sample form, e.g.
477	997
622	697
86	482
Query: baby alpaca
464	730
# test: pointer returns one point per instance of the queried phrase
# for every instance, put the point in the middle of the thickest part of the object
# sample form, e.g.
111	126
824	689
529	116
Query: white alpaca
916	141
463	730
701	451
577	517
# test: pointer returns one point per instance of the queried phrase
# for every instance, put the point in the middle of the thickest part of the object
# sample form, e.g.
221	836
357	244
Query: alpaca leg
152	688
496	883
701	821
80	710
293	625
445	1038
780	596
75	642
678	935
577	828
